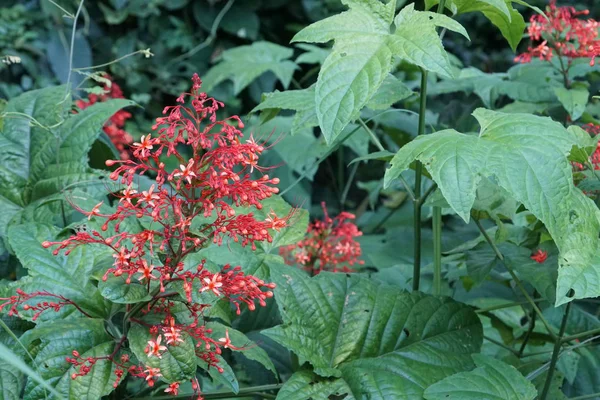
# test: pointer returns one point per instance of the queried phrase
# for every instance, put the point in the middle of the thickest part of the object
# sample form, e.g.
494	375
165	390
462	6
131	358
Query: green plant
469	268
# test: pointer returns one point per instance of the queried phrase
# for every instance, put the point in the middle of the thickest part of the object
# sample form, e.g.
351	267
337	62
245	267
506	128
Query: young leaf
302	101
492	379
244	64
378	338
528	157
362	55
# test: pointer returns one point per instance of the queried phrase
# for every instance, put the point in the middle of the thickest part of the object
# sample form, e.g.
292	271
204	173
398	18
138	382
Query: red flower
328	245
114	127
539	256
561	33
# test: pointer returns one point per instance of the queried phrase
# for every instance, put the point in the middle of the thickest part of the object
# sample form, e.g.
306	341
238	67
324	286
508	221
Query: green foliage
507	146
348	326
492	379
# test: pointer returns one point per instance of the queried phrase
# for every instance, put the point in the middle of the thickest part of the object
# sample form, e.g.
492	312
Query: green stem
417	204
374	138
222	394
516	279
556	352
529	331
592	332
348	184
500	344
506	305
586	396
437	251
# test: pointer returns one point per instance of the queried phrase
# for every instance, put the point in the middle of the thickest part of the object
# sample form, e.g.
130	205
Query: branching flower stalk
189	208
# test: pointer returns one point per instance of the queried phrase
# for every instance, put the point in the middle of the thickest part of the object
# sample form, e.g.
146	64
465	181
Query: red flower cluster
539	256
561	34
214	177
329	245
593	130
114	127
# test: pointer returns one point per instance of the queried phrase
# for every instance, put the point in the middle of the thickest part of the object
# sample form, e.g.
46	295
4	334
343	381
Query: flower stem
437	251
556	352
516	279
417	203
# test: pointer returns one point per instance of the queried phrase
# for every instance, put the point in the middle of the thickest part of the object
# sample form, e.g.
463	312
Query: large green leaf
43	148
528	157
361	59
385	343
491	380
57	340
68	276
244	64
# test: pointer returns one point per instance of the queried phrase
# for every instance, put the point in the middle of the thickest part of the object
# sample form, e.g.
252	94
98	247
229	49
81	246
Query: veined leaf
305	385
43	148
67	276
362	55
491	380
302	101
244	64
500	13
57	341
527	156
385	343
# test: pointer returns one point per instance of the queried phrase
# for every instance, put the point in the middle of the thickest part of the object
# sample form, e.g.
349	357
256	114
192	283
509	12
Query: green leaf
116	290
178	363
573	100
491	380
385	343
43	148
305	385
362	55
68	276
57	340
501	13
528	157
226	378
249	349
301	101
391	91
10	382
244	64
312	55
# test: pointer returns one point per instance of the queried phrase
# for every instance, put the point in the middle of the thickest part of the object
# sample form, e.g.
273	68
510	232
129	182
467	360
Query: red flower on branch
539	256
329	245
562	33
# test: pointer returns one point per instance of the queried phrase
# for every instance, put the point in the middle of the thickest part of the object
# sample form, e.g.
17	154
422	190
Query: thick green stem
516	279
592	332
556	352
417	191
437	251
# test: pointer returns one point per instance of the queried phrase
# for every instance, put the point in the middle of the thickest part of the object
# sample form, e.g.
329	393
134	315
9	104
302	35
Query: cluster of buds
562	33
24	300
214	181
329	245
539	256
114	126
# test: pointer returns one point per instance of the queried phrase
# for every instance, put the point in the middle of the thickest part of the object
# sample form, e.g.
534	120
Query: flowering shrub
213	184
329	245
172	276
114	126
